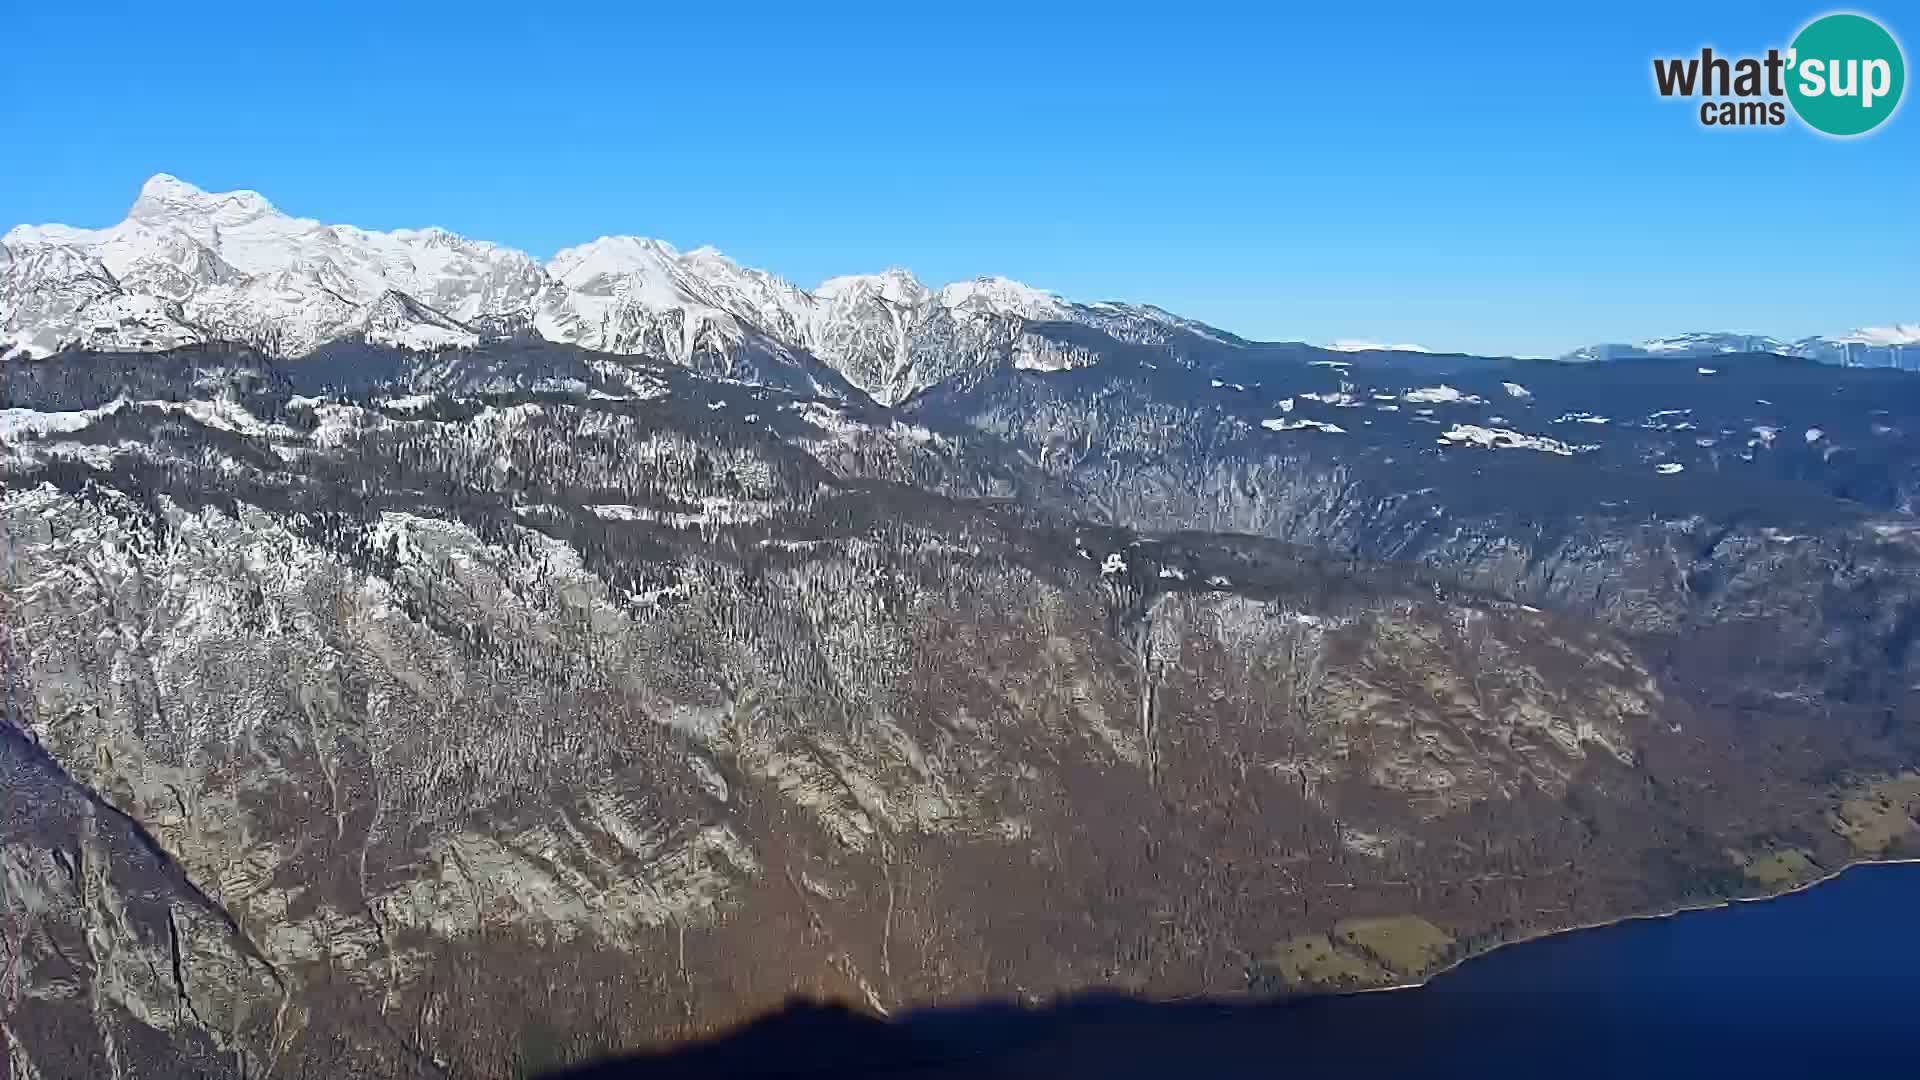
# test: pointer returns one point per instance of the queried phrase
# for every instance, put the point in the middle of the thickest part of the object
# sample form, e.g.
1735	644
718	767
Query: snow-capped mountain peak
895	285
168	198
1002	296
611	255
641	269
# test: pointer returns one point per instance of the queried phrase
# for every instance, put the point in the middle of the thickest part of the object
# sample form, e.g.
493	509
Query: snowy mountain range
188	266
1875	346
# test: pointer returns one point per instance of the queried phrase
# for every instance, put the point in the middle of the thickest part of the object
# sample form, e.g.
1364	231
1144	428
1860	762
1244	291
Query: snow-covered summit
173	200
895	285
1002	296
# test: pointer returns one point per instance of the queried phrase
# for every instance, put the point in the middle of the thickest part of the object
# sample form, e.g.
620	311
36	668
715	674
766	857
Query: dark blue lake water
1814	984
1823	983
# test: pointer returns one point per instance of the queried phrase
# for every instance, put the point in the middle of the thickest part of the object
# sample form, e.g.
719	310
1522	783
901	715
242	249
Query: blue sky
1503	181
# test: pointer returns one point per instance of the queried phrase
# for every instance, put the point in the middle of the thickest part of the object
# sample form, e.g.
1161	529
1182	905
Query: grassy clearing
1776	868
1315	961
1406	944
1874	818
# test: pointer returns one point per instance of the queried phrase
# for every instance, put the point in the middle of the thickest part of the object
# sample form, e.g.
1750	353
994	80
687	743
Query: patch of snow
22	345
1278	424
1708	371
513	416
336	423
133	323
640	385
714	510
1362	345
1441	395
1504	439
1657	421
1050	360
1581	418
1515	390
224	414
1668	468
16	424
1339	399
398	321
1114	565
1814	435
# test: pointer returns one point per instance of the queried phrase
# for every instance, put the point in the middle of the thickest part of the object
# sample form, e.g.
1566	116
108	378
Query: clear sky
1504	181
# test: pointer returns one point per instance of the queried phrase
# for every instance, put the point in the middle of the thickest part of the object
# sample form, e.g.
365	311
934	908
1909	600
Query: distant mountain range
188	266
1896	346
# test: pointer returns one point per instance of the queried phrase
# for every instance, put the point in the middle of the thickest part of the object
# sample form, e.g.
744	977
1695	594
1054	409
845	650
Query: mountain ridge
239	269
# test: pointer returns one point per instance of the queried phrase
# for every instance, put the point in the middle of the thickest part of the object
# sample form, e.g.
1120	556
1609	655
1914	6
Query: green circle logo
1845	74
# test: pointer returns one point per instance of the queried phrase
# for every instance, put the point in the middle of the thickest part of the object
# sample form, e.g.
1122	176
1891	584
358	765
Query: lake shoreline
1603	924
